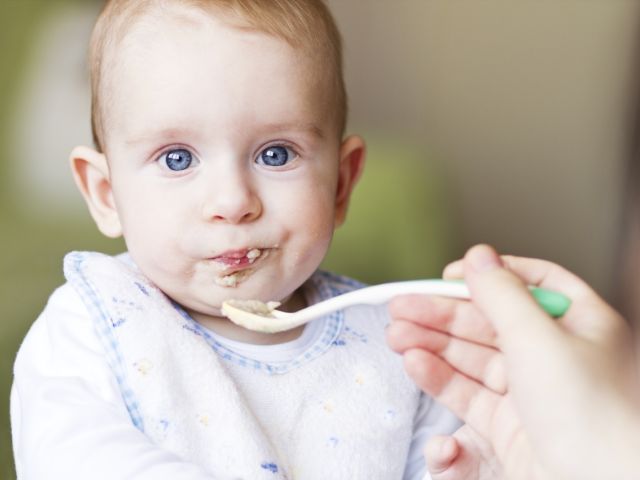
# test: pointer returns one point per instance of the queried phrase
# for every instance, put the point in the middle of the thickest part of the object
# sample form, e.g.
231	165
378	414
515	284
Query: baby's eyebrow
310	128
156	134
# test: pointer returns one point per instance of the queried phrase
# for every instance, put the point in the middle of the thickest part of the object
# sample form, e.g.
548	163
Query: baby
220	157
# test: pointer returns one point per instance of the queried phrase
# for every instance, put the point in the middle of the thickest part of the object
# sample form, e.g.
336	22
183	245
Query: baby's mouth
237	258
234	266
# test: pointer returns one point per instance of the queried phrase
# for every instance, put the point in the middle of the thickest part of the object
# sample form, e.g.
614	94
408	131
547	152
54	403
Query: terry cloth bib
340	410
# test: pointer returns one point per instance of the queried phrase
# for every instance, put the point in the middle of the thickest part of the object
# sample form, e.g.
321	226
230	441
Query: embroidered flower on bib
143	366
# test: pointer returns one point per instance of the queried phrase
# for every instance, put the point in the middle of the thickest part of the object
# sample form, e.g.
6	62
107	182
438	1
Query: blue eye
177	160
275	156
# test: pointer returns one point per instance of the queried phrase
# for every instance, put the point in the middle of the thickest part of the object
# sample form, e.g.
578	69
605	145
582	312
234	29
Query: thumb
440	453
505	300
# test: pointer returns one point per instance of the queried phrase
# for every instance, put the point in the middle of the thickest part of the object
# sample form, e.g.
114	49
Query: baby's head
306	25
219	154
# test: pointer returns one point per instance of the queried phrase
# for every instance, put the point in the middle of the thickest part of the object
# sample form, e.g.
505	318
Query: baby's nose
232	199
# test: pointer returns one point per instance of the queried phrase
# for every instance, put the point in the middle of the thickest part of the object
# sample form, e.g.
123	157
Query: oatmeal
253	306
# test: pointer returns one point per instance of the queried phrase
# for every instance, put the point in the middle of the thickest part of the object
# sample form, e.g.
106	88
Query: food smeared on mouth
228	280
253	254
234	266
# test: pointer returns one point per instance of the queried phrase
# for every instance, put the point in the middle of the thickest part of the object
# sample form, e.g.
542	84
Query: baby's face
224	162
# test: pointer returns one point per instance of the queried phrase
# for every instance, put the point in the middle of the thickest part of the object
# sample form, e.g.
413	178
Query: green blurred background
32	245
497	121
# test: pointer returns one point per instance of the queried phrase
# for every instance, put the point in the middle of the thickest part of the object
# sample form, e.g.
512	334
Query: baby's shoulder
64	300
63	323
66	306
64	310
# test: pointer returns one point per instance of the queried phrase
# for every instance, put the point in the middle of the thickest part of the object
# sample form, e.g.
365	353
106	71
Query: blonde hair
305	24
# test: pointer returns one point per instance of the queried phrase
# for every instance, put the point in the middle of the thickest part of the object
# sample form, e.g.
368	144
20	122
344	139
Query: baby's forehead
147	25
178	18
129	39
132	41
162	61
170	41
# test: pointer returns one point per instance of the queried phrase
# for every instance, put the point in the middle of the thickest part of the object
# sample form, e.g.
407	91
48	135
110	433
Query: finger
439	453
454	270
503	297
466	398
589	315
533	271
481	363
458	318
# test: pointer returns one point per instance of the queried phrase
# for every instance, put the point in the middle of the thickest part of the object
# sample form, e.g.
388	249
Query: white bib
342	409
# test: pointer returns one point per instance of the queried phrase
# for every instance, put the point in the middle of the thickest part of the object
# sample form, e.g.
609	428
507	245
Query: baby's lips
232	254
238	258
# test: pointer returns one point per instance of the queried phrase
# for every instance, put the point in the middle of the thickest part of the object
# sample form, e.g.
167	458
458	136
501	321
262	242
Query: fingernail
483	258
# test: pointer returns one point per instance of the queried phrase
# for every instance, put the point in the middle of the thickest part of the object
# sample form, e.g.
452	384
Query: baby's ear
91	174
352	155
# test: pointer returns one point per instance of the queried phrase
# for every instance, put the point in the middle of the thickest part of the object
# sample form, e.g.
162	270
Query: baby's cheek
315	216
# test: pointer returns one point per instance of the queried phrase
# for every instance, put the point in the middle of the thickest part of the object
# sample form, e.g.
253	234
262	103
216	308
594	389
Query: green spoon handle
554	303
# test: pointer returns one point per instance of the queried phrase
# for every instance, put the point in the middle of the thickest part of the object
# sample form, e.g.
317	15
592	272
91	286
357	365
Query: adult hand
552	398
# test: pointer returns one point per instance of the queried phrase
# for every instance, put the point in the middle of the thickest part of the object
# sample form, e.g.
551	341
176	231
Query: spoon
263	317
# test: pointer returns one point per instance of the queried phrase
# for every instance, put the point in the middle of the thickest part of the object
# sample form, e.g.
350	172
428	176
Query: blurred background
488	121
